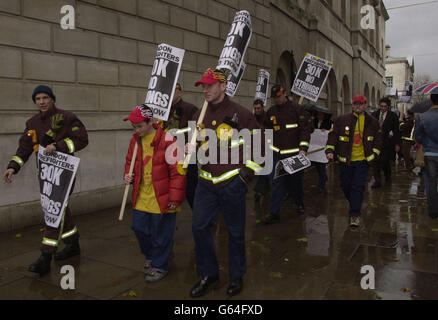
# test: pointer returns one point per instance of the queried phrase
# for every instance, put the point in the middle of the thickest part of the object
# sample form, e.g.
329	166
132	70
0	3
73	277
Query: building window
389	82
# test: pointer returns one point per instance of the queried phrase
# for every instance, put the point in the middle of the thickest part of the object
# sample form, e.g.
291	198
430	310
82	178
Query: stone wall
100	70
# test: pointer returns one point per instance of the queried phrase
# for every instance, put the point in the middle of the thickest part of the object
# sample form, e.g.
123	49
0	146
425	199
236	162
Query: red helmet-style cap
140	113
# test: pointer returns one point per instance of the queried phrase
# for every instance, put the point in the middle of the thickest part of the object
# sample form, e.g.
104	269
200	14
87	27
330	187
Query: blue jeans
322	174
262	185
353	181
230	199
287	184
431	171
192	181
155	233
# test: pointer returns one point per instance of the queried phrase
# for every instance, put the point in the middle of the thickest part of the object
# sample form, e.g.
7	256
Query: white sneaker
354	221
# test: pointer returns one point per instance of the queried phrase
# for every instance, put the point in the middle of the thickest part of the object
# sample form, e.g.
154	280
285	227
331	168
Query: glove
246	174
56	122
48	139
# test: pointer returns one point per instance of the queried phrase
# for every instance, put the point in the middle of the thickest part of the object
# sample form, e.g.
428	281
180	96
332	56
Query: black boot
70	250
42	265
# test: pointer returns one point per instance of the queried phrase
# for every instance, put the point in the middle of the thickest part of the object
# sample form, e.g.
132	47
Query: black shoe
271	219
376	185
201	287
300	209
70	250
235	287
42	265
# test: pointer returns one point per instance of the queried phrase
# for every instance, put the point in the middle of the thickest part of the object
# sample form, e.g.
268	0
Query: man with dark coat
180	114
55	130
388	122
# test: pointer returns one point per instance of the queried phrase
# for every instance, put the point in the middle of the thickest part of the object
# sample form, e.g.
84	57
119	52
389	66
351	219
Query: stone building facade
100	70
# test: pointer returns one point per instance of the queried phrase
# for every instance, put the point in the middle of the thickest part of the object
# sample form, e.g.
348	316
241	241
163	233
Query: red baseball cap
359	98
140	113
211	76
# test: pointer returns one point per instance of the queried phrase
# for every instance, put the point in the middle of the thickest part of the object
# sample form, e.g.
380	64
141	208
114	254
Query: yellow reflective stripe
50	242
344	138
330	147
236	143
370	138
183	130
287	151
342	159
377	151
371	157
304	143
18	160
291	125
227	175
70	145
401	123
69	233
406	138
252	165
274	148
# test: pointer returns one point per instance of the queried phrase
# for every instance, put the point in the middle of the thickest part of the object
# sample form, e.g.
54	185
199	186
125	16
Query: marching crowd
357	140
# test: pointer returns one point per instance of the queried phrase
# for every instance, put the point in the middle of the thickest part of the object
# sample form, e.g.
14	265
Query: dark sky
413	31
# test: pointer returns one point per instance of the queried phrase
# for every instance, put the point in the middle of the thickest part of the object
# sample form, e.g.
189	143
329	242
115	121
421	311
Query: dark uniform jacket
292	127
406	129
390	134
261	119
340	139
71	137
180	114
226	115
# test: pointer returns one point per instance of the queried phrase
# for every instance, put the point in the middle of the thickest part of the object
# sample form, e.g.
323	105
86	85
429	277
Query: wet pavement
311	256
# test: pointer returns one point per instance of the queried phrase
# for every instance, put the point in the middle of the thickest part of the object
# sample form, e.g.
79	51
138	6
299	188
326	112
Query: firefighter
355	141
221	186
180	114
407	139
292	127
55	130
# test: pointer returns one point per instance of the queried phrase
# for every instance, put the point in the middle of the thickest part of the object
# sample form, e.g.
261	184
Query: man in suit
389	125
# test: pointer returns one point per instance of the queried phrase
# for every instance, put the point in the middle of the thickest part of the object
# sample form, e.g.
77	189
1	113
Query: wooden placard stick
125	195
195	134
301	100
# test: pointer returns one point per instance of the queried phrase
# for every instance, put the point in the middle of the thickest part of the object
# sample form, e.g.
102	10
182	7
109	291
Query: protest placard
291	165
164	76
56	174
262	86
311	77
236	43
407	92
233	81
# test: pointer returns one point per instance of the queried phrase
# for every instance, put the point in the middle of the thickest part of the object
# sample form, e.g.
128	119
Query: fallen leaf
258	221
378	297
42	229
304	239
276	275
132	240
286	259
396	259
18	235
132	293
431	245
266	238
435	229
406	289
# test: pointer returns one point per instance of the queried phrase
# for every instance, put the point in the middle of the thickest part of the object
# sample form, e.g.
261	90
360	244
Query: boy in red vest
158	190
